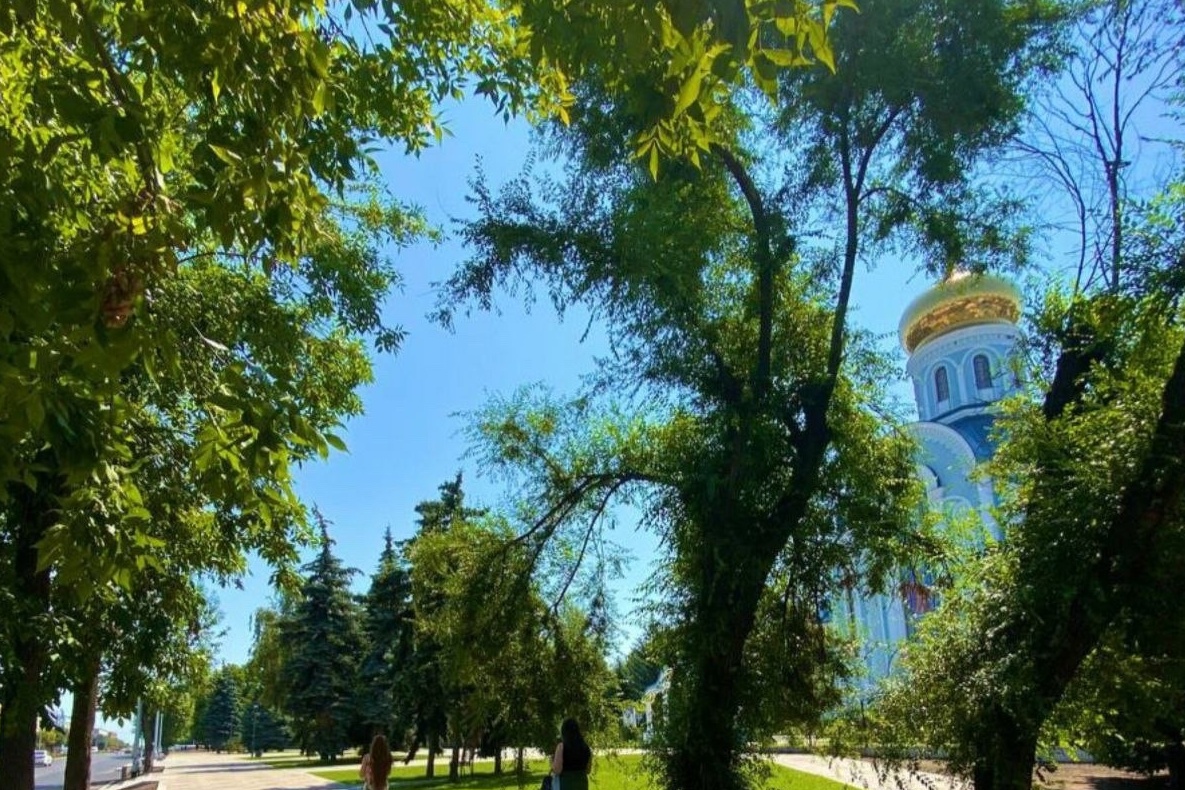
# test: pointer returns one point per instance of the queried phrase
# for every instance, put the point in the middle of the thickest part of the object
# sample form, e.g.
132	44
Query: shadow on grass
611	773
1126	782
508	780
313	763
475	781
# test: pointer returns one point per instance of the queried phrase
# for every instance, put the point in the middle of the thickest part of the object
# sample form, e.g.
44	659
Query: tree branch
1151	505
584	544
144	158
765	268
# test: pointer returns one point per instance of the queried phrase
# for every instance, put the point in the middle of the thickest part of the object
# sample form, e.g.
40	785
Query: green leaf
320	97
689	91
319	55
34	412
225	154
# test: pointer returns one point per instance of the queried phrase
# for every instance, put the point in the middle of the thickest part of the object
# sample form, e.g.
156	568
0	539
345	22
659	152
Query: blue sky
410	441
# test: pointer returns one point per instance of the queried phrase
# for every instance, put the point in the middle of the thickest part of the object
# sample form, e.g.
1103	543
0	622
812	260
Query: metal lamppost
254	720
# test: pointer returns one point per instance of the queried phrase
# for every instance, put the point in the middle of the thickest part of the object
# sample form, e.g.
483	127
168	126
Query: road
104	768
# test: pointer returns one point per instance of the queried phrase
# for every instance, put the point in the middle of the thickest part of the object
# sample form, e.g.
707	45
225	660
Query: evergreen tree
387	626
262	729
421	687
440	514
322	643
220	723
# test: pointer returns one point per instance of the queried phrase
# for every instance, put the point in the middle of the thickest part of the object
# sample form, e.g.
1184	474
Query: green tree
512	668
387	628
265	667
263	730
1093	527
580	683
1124	707
180	487
164	625
744	418
482	621
135	146
423	687
1090	466
222	718
134	143
180	714
322	644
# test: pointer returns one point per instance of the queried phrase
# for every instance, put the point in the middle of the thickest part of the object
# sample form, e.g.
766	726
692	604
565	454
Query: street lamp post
254	721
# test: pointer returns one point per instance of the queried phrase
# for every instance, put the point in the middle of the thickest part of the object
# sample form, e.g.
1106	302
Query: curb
120	784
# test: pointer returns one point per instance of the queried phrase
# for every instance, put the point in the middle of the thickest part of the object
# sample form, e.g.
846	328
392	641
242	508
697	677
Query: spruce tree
387	626
420	688
322	643
220	723
261	729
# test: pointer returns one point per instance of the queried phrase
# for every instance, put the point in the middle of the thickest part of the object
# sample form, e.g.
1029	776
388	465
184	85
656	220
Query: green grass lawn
295	759
624	772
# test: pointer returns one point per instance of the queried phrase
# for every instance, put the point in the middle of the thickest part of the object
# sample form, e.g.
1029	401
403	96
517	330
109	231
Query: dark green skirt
575	780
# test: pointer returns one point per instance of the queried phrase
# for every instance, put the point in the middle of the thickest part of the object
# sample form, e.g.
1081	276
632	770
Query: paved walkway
863	774
210	771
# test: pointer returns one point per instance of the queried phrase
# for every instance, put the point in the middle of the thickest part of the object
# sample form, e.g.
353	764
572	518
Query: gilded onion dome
960	300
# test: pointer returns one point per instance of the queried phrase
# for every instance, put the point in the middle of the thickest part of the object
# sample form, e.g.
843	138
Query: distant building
960	336
643	715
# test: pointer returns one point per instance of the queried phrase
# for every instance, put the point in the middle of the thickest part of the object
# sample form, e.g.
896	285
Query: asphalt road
104	768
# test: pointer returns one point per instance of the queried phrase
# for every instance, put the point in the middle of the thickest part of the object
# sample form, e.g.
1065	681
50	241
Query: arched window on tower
942	385
983	372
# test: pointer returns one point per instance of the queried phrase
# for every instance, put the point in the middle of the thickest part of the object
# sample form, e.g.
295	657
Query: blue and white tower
960	337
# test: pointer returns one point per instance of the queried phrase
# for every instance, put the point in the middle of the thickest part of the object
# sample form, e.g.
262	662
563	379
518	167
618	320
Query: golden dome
963	299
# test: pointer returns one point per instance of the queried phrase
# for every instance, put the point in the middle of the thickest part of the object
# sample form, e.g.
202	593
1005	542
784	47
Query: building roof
962	299
976	429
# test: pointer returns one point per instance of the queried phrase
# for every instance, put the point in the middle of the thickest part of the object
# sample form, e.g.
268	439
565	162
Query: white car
42	758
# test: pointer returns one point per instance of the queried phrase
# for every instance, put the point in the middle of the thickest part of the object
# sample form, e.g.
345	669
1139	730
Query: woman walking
376	764
573	758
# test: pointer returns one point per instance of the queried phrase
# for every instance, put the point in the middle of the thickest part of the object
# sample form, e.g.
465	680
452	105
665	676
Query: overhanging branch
765	268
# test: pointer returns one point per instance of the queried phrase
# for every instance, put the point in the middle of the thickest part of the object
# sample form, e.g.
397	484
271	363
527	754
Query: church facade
959	337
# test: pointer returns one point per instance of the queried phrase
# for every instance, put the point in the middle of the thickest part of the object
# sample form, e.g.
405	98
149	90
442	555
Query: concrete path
209	771
863	774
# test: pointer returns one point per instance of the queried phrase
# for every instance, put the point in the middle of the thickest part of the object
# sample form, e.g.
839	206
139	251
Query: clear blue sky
409	441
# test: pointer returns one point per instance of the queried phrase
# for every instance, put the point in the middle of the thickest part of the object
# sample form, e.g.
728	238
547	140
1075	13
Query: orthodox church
959	337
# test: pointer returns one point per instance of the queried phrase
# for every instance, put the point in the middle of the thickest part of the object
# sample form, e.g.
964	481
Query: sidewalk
862	774
210	771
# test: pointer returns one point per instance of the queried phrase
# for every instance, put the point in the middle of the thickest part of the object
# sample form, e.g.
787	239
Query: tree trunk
433	748
1174	755
706	755
412	749
148	728
82	725
498	761
21	700
454	764
519	766
1008	757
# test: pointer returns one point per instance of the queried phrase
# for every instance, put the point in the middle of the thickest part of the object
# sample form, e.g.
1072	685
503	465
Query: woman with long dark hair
573	758
376	764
